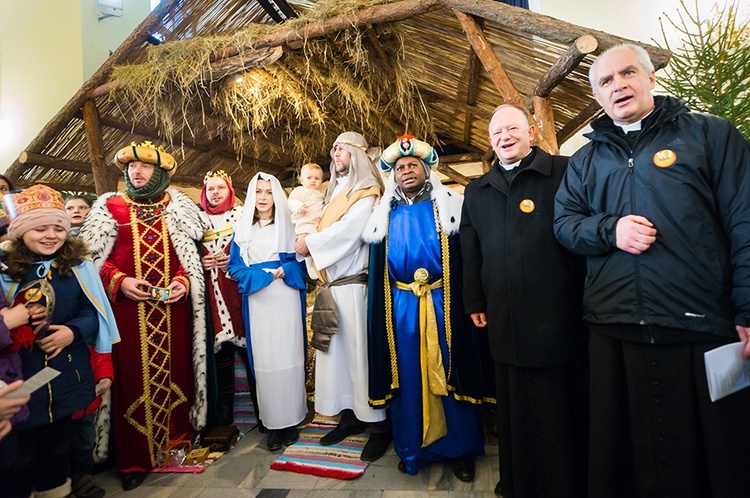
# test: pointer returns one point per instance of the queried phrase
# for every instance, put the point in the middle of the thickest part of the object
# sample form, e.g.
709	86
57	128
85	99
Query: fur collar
448	203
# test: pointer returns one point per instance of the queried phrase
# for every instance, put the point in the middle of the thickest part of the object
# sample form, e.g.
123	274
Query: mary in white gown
262	261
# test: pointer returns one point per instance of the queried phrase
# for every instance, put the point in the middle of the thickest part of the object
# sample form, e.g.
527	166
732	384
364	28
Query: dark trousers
43	460
82	453
542	426
654	430
225	381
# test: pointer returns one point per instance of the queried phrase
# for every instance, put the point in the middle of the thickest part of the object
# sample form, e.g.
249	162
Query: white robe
341	376
276	336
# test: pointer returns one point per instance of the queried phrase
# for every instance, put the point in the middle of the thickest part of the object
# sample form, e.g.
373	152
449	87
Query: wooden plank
452	174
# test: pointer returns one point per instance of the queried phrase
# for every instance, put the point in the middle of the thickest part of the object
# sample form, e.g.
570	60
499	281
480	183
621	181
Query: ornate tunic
150	241
223	297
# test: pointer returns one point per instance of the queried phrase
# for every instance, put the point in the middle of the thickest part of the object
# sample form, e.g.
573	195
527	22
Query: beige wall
47	50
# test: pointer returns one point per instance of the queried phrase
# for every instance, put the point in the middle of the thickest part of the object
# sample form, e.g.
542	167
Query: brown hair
20	258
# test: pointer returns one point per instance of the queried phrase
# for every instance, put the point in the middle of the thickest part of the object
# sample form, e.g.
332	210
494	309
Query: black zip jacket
696	276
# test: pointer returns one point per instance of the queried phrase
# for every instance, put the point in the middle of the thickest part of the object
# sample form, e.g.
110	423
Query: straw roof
267	85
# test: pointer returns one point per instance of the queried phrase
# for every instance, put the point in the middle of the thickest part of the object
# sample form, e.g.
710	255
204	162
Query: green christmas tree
710	68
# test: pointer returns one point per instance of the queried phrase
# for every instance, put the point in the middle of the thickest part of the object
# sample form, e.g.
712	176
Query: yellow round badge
527	205
665	158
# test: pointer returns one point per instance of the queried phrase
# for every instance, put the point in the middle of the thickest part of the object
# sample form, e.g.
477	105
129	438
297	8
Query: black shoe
463	469
275	439
132	481
376	446
401	467
340	433
290	435
499	489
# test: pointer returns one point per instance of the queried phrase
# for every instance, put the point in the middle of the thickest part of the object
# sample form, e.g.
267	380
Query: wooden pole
567	62
544	117
105	178
452	174
63	117
491	63
546	27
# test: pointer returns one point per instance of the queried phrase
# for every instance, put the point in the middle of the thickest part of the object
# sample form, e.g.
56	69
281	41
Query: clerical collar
634	126
508	167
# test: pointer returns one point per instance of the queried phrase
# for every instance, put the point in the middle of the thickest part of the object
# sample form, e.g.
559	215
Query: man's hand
60	338
479	319
744	333
634	234
11	406
300	245
208	261
133	289
16	316
176	292
221	260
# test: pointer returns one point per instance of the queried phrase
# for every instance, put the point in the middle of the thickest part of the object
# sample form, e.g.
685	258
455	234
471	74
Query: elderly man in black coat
522	285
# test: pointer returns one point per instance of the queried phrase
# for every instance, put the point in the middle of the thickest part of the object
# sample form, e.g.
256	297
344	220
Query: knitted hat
146	153
34	207
408	146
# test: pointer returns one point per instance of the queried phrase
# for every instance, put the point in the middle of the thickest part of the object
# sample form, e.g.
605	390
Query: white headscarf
362	171
282	221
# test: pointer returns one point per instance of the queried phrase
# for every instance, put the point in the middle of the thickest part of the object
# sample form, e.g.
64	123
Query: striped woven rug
338	461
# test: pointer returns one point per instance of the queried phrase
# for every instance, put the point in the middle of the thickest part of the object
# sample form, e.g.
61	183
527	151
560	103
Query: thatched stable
268	84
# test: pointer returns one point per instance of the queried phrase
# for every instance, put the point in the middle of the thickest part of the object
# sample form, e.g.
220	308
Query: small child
306	204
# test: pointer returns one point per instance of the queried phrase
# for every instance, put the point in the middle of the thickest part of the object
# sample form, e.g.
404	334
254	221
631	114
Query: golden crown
217	174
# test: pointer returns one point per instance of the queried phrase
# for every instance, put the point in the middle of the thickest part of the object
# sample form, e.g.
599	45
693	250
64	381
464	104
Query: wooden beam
567	62
136	39
549	28
51	162
452	174
29	158
271	11
544	117
105	180
578	122
472	87
491	63
390	12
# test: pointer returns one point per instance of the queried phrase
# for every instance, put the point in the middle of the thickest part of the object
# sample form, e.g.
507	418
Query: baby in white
306	203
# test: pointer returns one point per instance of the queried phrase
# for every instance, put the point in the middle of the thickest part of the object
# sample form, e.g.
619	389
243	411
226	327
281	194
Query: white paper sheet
726	370
41	378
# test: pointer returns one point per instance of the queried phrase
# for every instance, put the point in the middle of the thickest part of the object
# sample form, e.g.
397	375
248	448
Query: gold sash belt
217	233
434	384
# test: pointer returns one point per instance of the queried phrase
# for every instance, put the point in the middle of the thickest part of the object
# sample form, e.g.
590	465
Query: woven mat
308	456
244	411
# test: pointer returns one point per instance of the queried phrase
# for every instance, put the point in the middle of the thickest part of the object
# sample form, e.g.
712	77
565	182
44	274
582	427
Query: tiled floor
245	472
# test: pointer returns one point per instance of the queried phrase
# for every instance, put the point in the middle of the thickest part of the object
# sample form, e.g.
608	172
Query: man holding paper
659	202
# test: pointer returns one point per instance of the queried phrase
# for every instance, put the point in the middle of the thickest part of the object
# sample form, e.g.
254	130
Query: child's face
77	210
45	240
311	178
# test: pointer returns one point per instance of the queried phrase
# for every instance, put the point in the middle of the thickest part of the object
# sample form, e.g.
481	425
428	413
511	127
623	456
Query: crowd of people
577	294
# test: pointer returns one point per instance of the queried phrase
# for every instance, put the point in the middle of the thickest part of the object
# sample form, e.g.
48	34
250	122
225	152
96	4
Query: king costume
161	360
424	355
224	300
